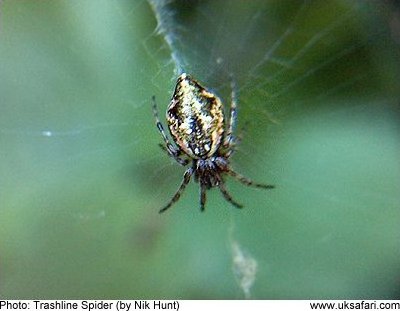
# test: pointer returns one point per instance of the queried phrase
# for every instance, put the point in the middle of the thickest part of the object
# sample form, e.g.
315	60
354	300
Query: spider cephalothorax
207	172
196	122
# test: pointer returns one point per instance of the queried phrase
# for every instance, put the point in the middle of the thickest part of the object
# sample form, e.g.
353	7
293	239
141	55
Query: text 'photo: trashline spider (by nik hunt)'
196	122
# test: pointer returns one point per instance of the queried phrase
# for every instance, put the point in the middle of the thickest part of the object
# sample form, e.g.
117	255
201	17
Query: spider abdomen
195	119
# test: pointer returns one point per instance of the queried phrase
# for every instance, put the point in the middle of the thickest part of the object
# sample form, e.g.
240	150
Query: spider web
317	85
294	63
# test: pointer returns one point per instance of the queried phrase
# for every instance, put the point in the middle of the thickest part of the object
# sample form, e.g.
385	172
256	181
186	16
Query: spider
196	123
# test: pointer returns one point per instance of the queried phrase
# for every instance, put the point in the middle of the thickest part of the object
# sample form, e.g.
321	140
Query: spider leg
227	196
247	181
178	159
177	195
232	146
169	148
202	196
229	139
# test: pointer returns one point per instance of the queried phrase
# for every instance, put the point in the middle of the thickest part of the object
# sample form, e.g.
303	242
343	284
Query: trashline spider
196	123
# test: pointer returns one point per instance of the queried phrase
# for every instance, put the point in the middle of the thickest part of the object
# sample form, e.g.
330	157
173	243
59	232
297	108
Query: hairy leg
177	195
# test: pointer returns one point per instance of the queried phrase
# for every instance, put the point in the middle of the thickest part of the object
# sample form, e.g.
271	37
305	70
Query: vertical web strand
165	27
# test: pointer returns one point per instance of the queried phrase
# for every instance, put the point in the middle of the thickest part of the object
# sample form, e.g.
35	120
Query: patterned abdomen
195	119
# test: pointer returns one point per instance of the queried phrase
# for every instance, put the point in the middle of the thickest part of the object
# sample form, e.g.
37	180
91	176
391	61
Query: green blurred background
82	178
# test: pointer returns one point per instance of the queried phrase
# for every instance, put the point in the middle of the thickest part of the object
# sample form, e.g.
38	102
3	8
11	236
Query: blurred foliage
82	178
